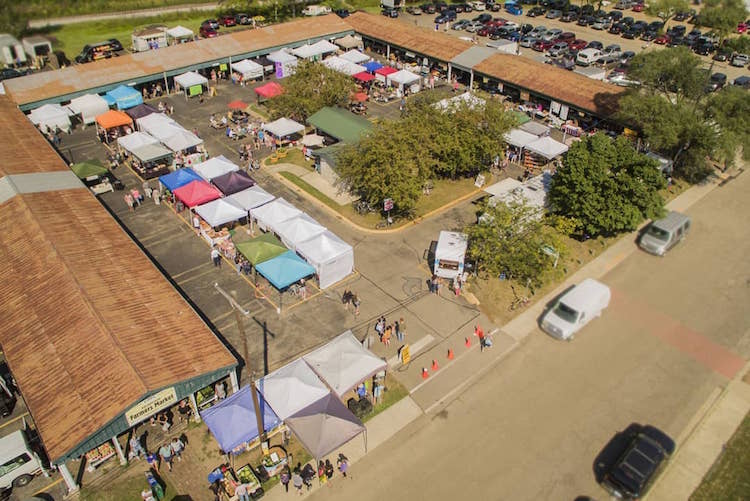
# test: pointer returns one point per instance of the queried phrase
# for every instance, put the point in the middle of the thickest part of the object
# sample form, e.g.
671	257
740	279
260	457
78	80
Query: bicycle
518	302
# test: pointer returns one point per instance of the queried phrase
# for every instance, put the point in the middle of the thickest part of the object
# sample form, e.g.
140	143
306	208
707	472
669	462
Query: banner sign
387	204
150	406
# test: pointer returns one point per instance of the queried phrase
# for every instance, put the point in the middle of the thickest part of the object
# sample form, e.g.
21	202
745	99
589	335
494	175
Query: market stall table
192	83
113	124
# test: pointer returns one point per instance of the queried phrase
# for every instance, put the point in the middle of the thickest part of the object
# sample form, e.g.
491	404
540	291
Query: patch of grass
396	391
260	110
728	478
54	8
124	488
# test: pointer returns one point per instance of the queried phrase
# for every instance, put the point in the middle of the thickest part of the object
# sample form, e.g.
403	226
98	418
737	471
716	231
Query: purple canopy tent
233	182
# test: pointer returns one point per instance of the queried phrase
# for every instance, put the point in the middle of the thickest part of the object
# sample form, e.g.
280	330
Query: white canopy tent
192	83
284	63
253	197
248	69
272	214
533	192
450	253
307	51
403	78
283	127
325	47
332	258
154	121
89	106
214	167
547	147
519	138
164	130
135	140
343	66
298	229
454	103
182	140
151	152
348	42
179	34
355	56
535	128
291	388
221	211
343	363
50	116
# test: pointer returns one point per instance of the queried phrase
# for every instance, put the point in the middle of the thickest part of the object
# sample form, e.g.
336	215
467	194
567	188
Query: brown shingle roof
89	324
422	40
82	77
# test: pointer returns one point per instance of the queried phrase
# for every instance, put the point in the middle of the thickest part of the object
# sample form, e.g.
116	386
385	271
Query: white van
575	309
18	462
663	234
588	56
316	10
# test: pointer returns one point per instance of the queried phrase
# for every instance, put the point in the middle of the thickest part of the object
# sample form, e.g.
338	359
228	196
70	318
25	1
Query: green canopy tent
521	116
262	248
88	169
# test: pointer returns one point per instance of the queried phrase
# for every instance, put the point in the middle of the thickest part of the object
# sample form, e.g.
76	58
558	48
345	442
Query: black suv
646	450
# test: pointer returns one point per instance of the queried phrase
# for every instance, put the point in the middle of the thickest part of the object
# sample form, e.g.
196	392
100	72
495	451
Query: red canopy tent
364	76
269	90
385	71
360	97
196	193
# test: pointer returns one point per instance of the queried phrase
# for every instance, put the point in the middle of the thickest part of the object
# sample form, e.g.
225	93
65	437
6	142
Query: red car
207	32
638	7
228	21
662	39
577	44
542	45
566	37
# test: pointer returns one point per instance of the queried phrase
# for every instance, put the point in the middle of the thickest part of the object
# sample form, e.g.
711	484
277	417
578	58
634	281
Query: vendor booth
450	254
291	388
140	111
113	124
252	197
382	73
88	106
214	167
308	51
135	140
247	70
285	64
192	83
332	258
343	363
50	117
178	178
261	248
123	97
298	229
372	66
220	211
349	42
182	141
519	138
156	124
151	160
284	129
233	182
405	79
272	214
153	37
535	128
343	66
355	56
546	147
196	193
268	91
284	270
364	77
84	170
233	422
179	34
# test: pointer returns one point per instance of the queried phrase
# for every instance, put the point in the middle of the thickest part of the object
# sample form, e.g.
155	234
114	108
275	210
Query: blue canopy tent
232	421
124	97
179	178
285	269
372	66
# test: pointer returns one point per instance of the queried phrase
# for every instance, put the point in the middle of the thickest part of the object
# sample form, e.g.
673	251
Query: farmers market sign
150	406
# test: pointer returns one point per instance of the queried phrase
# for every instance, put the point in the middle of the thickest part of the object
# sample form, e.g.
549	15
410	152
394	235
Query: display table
103	187
96	457
273	463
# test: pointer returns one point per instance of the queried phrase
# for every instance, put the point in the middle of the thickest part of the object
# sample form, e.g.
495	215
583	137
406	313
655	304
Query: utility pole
238	312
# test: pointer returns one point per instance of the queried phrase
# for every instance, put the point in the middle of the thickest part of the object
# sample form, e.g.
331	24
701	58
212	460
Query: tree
607	186
722	16
666	9
728	112
13	17
510	239
310	88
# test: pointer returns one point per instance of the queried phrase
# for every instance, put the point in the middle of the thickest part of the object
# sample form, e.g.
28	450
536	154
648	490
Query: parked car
551	34
414	11
536	11
538	30
648	36
627	56
473	26
392	13
722	55
716	82
741	27
553	14
460	24
483	18
646	451
8	73
569	17
704	49
513	9
662	39
743	81
617	28
478	6
577	45
427	8
558	49
542	45
638	7
586	20
632	33
566	37
206	31
602	24
587	57
342	13
528	41
227	21
243	18
566	62
683	15
575	308
595	44
213	23
739	60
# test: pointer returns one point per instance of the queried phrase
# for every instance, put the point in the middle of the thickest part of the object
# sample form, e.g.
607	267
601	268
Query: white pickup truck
316	10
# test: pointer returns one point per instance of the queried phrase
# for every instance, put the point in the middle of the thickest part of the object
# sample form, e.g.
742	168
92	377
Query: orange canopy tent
114	118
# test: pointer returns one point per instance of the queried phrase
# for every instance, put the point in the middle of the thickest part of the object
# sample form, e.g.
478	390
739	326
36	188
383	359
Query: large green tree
510	238
13	17
722	16
309	89
606	186
666	9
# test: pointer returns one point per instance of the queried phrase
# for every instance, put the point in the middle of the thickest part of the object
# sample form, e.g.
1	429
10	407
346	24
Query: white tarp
312	140
283	127
332	258
324	46
89	106
187	80
154	121
547	147
50	116
214	167
136	140
454	103
291	388
181	140
349	42
503	186
532	192
307	51
298	229
403	77
355	56
343	363
180	32
451	246
151	152
272	214
343	66
519	138
253	197
535	128
281	56
220	211
248	69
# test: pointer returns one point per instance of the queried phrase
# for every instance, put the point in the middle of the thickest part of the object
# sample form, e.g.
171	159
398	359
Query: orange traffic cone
468	342
425	374
450	354
435	365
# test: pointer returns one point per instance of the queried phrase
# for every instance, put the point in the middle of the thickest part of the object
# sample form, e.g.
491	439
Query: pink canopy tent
269	90
196	193
364	76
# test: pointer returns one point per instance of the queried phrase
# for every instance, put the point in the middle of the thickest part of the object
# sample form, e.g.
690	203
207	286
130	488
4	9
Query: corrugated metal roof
84	77
340	124
473	56
89	324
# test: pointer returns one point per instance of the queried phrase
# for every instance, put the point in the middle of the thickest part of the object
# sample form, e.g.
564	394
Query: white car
474	26
552	34
576	308
478	6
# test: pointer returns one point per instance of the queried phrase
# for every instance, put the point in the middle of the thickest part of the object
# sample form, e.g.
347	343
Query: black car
682	16
587	10
743	81
716	82
586	20
722	55
704	49
536	11
648	36
678	30
676	41
617	28
595	44
615	15
483	18
242	18
631	33
694	34
647	450
627	21
569	17
8	73
389	12
342	13
428	8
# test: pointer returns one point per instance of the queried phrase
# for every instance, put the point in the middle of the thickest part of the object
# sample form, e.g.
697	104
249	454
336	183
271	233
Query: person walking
177	447
322	477
242	493
329	469
387	335
285	477
165	451
136	449
355	302
478	332
129	201
400	329
343	463
216	257
297	481
153	461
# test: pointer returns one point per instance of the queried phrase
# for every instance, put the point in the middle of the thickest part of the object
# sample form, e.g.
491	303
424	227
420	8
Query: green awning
262	248
340	124
88	168
521	116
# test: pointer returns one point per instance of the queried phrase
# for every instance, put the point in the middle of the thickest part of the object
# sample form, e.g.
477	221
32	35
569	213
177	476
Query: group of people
351	298
153	91
134	198
303	476
167	452
386	331
456	284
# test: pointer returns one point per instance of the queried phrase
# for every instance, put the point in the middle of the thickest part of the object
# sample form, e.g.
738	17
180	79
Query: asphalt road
677	327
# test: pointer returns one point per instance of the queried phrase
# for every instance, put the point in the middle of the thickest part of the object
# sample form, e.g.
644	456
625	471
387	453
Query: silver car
538	31
474	26
551	34
559	49
528	41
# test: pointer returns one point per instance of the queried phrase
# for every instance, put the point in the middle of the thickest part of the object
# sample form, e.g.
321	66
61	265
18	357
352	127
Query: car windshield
658	233
566	313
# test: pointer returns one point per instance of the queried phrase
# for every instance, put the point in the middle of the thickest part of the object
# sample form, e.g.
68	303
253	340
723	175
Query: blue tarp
285	269
179	178
125	97
232	421
110	100
372	66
